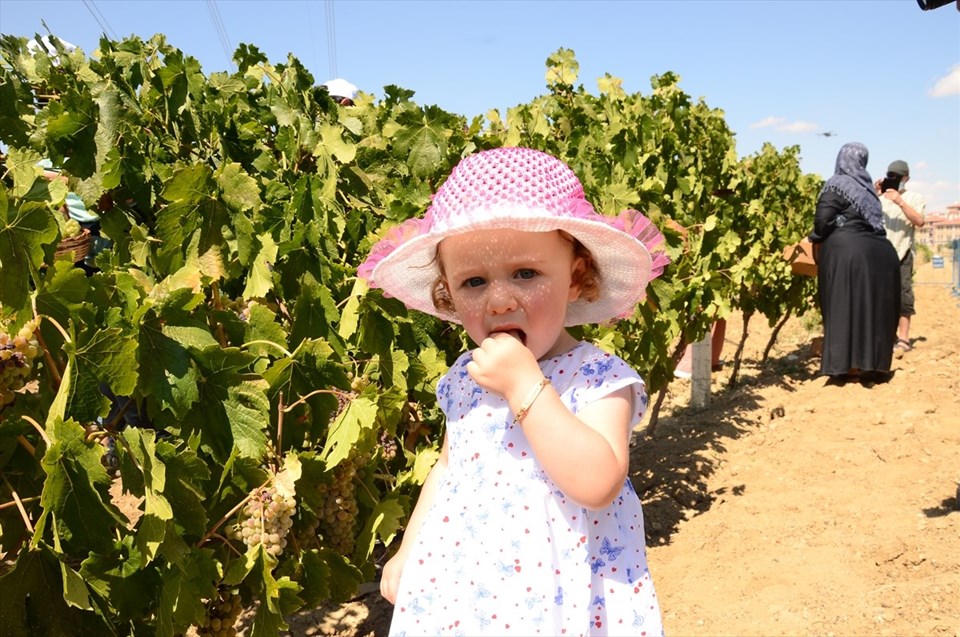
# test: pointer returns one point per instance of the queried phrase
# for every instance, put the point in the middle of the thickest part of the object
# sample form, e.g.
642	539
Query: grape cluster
389	445
339	515
266	519
16	360
221	615
71	228
306	532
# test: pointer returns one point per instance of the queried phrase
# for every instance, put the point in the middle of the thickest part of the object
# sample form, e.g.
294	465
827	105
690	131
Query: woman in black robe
858	273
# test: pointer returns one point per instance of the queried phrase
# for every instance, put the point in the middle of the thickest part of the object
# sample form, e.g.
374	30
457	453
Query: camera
890	182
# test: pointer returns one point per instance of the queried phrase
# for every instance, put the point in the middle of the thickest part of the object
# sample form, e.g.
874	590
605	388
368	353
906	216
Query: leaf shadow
671	469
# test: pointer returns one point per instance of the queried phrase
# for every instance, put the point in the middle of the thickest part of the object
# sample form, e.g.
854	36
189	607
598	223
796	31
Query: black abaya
859	289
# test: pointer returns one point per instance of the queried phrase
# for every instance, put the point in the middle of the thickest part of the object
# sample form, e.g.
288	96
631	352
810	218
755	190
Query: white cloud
781	124
798	127
768	121
947	85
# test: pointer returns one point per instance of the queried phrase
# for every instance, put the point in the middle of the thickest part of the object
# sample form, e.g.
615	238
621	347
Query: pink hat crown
506	183
527	190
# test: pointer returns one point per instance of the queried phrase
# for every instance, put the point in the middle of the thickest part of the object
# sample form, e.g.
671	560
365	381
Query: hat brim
408	273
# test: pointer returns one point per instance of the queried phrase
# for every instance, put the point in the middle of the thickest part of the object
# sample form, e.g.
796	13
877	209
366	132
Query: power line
221	29
100	19
331	38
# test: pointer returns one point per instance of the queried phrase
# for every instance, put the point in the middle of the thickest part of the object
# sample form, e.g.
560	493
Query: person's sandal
902	347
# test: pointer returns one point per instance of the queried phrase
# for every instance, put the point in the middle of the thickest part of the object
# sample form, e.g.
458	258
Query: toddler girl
528	523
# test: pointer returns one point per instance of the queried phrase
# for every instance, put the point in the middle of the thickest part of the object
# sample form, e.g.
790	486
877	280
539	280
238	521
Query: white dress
502	551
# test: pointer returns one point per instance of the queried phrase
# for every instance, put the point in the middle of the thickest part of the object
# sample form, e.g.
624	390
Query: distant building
941	229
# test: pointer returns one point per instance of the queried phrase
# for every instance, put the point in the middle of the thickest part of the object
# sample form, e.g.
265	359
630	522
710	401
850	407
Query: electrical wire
331	38
99	18
221	29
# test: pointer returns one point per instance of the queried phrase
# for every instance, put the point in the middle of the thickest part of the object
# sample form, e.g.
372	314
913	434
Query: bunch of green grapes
339	515
71	228
17	354
266	519
221	615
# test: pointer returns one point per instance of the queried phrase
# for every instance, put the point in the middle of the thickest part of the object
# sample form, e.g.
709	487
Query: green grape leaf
286	479
315	578
423	145
260	278
183	588
349	318
262	326
612	86
248	412
24	230
22	164
166	370
239	190
345	578
32	602
562	68
108	358
386	519
332	144
76	491
118	575
186	473
422	464
360	414
314	314
394	369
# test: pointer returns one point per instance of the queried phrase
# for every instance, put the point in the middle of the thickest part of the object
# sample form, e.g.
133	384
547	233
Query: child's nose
500	298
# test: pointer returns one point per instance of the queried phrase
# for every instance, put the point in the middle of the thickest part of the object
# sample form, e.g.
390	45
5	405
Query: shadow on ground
670	468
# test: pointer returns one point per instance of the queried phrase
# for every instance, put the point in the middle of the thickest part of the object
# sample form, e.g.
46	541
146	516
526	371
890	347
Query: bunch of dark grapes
266	519
17	353
339	515
221	615
389	446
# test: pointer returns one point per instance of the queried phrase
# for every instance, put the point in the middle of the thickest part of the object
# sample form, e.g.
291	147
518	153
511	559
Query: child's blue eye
526	273
474	282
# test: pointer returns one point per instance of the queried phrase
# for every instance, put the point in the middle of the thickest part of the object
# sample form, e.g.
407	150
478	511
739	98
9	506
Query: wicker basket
79	245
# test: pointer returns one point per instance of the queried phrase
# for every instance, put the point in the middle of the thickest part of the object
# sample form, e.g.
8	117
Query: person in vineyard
902	213
341	91
528	523
858	273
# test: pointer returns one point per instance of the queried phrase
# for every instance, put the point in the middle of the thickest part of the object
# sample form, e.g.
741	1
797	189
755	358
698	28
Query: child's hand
504	366
390	578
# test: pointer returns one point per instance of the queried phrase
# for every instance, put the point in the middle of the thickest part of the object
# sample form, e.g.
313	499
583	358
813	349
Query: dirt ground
793	507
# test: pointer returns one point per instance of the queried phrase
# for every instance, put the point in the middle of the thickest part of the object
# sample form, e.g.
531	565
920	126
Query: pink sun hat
528	190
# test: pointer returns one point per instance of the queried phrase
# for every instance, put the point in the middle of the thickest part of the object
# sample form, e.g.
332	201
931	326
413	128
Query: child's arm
390	578
587	455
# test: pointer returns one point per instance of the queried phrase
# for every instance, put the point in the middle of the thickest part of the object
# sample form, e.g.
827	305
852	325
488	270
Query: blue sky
883	72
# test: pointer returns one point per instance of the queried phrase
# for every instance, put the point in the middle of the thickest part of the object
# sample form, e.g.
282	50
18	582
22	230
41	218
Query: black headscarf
852	181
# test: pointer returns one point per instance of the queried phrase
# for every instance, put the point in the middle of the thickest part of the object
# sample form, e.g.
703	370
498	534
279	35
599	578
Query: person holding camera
902	213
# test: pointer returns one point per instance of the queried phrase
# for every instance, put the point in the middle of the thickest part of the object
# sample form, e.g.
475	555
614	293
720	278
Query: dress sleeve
602	374
829	206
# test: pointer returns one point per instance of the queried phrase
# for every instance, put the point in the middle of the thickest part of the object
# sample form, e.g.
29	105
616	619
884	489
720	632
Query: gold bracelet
528	402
